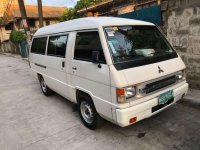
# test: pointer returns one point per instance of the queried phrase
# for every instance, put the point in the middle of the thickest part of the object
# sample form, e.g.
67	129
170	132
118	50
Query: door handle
74	68
63	64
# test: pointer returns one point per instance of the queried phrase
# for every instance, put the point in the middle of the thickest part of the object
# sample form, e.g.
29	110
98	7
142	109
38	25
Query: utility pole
135	5
23	15
25	23
113	7
40	14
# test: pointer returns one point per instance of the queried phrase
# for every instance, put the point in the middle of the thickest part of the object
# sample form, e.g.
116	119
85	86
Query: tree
71	13
63	16
86	3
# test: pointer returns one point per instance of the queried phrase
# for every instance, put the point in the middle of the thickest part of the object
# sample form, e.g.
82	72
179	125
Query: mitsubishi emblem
160	70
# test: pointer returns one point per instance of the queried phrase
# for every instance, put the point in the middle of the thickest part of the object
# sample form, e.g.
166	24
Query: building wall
182	24
4	34
7	46
51	21
126	9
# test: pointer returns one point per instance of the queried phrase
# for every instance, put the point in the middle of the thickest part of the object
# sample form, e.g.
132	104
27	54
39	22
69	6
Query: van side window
39	45
86	42
57	46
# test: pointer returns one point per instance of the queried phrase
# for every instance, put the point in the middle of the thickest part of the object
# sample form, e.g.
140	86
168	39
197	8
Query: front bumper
144	110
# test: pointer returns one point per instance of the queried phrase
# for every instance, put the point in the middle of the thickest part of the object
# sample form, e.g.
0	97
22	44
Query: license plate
165	97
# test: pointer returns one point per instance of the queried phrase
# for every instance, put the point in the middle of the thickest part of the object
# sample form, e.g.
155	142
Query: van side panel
57	77
38	64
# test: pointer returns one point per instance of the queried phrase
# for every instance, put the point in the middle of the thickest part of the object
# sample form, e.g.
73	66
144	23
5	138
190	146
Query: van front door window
86	43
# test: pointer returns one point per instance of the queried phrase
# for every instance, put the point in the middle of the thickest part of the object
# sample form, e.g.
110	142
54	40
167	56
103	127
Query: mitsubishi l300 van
122	70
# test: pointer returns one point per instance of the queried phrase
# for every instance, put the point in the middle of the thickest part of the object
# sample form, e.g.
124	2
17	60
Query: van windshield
133	46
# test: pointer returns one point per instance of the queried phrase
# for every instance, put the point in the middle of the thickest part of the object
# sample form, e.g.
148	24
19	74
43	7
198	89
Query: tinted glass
57	46
86	42
39	45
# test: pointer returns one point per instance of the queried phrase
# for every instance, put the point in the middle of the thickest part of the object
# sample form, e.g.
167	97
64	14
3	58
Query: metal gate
151	14
23	49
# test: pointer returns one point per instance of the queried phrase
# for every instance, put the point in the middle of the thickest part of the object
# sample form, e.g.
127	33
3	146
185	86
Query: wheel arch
80	92
39	76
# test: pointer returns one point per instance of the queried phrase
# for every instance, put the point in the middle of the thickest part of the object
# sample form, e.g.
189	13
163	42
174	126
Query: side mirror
95	57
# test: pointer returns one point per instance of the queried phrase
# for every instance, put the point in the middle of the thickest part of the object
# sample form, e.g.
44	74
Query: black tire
45	90
96	120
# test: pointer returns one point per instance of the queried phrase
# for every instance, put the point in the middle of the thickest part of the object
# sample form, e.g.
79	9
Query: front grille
159	84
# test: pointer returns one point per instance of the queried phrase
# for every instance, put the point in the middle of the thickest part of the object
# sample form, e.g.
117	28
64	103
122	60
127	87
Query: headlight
125	93
180	75
130	92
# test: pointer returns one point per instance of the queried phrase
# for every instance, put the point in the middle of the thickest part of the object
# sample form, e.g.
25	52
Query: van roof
88	23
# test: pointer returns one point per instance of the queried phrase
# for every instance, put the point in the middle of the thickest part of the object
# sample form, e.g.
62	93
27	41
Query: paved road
31	121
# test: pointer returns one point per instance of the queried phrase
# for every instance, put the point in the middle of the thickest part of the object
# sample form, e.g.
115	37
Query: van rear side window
86	42
57	46
39	45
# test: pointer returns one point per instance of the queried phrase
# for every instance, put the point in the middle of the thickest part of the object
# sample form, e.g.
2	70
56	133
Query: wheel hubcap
87	112
43	85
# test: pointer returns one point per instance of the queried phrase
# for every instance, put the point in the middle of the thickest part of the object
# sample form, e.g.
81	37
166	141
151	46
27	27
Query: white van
122	70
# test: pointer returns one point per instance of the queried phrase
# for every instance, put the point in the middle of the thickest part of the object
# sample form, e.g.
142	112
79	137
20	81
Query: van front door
89	77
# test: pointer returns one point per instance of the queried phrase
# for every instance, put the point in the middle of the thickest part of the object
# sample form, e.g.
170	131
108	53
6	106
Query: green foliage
17	36
86	3
71	13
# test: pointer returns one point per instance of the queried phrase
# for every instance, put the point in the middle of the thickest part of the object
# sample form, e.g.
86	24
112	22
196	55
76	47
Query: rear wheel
46	91
88	113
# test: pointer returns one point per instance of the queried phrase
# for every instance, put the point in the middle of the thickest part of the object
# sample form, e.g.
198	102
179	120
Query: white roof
88	23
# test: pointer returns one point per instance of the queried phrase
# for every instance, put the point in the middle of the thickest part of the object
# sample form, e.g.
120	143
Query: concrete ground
31	121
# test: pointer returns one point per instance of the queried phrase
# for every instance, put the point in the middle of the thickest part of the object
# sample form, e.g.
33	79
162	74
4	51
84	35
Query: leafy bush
17	36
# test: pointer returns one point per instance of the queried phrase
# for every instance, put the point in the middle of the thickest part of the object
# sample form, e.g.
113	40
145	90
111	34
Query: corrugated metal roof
32	11
3	6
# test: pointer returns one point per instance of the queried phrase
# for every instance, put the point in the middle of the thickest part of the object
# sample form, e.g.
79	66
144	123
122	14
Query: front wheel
88	113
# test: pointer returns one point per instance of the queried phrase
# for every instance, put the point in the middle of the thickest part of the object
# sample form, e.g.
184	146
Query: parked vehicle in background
118	69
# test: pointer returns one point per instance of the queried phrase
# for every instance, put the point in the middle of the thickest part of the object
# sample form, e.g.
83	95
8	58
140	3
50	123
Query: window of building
86	42
47	22
57	46
9	26
39	45
31	22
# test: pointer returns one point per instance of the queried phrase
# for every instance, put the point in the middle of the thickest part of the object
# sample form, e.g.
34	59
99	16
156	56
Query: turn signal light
132	120
120	92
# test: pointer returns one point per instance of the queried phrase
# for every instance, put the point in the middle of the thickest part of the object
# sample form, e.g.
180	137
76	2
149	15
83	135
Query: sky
64	3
